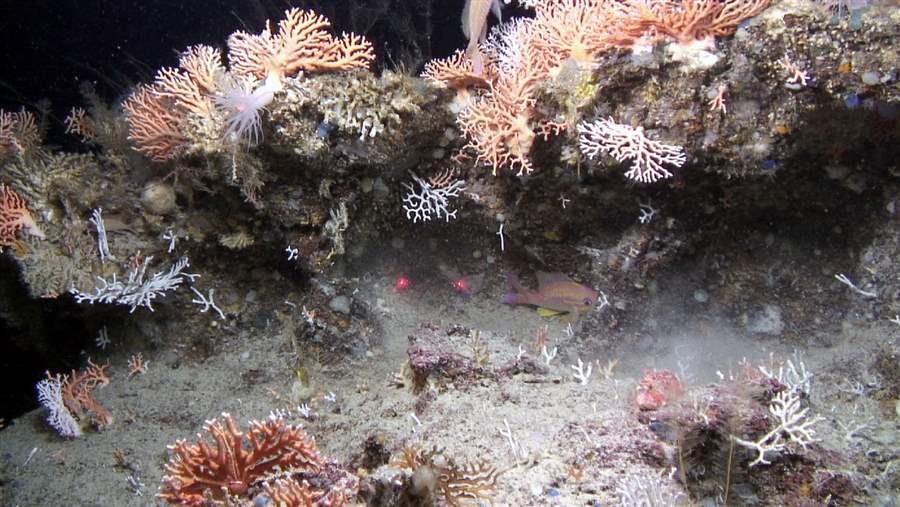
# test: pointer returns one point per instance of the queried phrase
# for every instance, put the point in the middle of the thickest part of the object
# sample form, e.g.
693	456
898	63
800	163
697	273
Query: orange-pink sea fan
301	44
153	124
14	215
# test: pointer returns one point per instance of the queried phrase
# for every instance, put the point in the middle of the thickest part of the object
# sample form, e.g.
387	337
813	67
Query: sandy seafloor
556	421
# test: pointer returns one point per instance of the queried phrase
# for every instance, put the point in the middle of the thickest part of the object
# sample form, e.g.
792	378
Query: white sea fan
58	416
504	44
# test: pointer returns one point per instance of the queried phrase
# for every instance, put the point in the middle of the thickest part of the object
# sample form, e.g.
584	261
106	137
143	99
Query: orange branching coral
457	72
236	461
301	44
499	123
78	394
497	126
690	20
191	85
156	114
18	133
14	215
78	123
153	124
579	30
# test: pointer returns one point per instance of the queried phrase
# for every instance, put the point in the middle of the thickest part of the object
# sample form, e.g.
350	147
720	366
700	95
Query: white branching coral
792	426
136	290
626	143
58	416
433	198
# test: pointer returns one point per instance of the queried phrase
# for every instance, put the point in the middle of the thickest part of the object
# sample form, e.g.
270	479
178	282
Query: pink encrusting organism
14	215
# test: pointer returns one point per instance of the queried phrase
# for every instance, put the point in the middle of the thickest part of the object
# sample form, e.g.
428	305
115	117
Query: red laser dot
461	285
401	284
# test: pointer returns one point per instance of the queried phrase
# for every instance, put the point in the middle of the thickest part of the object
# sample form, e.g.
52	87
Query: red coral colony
239	464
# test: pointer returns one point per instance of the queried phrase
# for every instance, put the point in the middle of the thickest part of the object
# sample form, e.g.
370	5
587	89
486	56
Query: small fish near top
557	294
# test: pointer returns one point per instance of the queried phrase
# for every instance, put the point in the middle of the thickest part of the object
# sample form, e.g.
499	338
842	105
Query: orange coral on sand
78	394
301	44
236	461
14	215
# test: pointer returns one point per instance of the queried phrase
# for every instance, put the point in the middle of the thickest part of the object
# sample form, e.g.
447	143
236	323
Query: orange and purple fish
556	292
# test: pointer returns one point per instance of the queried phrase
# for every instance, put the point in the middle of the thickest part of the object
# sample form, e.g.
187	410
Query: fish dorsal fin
465	19
547	279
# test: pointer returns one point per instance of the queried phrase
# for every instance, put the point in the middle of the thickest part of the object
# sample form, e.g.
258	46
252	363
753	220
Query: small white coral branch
507	433
792	426
796	377
581	374
846	281
207	302
431	201
102	241
627	143
549	355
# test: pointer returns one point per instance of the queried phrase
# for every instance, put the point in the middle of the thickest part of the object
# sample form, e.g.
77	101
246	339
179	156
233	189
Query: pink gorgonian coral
301	44
14	215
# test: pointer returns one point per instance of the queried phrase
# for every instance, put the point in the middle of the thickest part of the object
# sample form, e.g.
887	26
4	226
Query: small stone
381	189
766	321
340	304
701	296
158	198
871	78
